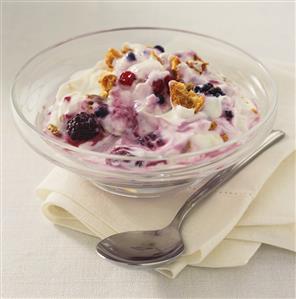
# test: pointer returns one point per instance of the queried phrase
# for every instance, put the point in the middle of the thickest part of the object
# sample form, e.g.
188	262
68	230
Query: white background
40	260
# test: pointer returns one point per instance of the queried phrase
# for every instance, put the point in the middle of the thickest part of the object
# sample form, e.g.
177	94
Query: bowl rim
151	157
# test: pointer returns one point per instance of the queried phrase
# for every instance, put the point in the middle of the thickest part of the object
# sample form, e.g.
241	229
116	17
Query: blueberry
161	100
216	92
131	56
159	48
206	87
102	111
197	89
228	114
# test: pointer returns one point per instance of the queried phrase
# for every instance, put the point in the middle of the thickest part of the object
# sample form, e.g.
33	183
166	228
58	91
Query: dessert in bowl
141	117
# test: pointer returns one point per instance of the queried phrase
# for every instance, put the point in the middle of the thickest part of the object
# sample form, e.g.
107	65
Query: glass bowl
37	81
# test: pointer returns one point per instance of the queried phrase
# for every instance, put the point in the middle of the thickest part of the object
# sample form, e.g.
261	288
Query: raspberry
127	78
158	86
83	126
151	141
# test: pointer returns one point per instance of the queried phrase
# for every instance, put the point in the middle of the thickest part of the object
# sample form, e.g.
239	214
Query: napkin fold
256	206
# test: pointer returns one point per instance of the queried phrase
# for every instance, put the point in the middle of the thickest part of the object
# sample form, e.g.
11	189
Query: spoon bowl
145	248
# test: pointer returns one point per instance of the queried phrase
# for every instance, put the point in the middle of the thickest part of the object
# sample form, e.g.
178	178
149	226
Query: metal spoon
153	248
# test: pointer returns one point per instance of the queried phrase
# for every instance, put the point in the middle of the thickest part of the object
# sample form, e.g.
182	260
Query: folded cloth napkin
224	231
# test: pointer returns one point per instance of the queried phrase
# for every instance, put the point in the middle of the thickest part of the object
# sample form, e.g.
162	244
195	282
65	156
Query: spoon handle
223	176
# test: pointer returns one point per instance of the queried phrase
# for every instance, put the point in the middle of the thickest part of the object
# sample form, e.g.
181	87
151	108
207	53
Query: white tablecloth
40	260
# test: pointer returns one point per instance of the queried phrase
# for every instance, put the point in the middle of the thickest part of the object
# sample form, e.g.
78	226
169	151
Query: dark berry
159	48
151	141
197	89
158	86
228	114
123	151
209	89
131	56
206	87
216	92
127	78
102	111
83	126
161	99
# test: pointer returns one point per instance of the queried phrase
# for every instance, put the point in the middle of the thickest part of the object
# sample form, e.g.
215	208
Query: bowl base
141	192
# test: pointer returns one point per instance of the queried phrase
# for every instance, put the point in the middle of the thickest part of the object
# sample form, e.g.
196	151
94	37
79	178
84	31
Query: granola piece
125	49
155	56
186	98
198	65
189	86
174	62
95	98
110	56
213	126
106	81
224	137
54	130
254	110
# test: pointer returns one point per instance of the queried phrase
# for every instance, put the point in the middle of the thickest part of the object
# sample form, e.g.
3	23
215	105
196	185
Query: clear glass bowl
38	80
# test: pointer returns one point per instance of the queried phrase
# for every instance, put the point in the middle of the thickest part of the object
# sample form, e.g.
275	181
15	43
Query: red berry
127	78
158	86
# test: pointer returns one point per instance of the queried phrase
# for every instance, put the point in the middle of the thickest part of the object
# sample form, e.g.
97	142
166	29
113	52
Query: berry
127	78
206	87
123	151
131	56
158	86
151	141
228	114
67	99
159	48
102	111
216	92
209	89
161	100
83	126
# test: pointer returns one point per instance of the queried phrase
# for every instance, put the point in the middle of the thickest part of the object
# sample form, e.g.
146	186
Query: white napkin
224	231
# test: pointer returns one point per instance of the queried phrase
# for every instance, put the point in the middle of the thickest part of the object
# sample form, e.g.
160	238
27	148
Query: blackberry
83	126
102	111
131	56
159	48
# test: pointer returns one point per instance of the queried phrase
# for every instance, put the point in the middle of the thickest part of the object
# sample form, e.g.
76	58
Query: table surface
41	260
